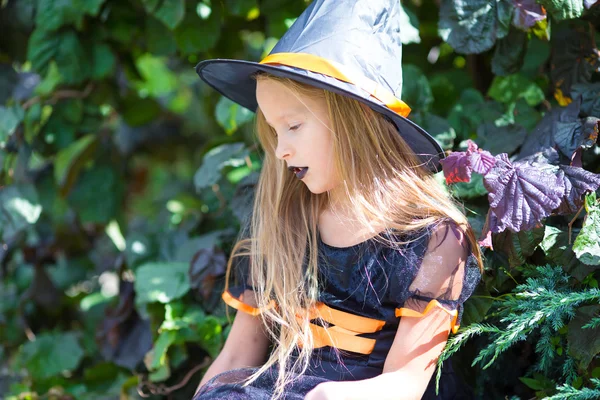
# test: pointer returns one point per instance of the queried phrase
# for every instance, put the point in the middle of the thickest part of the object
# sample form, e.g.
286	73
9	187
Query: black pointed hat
350	47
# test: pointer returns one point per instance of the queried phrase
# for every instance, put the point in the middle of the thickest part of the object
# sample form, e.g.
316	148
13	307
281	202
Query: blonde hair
385	186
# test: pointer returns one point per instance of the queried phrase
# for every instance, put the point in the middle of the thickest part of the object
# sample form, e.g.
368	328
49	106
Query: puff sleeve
446	276
239	292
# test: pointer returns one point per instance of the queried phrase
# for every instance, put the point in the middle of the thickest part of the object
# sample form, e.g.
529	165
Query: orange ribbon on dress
238	304
407	312
346	326
343	335
311	62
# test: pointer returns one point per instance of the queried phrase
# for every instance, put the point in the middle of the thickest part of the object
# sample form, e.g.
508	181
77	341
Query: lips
300	172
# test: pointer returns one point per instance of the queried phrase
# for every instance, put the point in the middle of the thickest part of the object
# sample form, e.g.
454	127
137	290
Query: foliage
123	181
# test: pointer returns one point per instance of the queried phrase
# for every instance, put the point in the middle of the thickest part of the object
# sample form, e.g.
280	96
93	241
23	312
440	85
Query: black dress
372	279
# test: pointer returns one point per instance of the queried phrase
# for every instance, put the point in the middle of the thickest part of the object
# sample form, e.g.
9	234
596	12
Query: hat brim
233	79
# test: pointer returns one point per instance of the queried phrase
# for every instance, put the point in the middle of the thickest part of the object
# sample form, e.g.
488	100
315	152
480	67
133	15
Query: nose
283	150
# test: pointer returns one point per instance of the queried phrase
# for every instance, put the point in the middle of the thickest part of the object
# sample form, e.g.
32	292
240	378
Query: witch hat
350	47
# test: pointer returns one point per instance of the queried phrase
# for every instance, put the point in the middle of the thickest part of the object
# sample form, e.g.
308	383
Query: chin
319	189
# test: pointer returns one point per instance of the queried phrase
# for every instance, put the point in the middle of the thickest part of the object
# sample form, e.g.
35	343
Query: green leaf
496	137
587	243
241	8
524	115
532	383
558	250
161	282
51	354
161	374
470	190
10	118
437	127
215	160
231	115
477	306
446	88
563	9
70	161
196	35
416	91
469	112
65	49
97	195
509	53
139	248
52	14
104	61
508	89
19	208
159	80
52	79
169	12
518	246
537	54
472	26
584	344
137	111
42	48
159	38
161	346
210	331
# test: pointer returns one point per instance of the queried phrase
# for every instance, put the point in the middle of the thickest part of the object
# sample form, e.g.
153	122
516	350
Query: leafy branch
544	302
568	392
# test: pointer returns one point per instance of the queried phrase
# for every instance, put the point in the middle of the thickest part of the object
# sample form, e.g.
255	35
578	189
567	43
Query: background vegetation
123	179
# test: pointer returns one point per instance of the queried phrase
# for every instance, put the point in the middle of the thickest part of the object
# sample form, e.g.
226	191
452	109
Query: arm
408	368
246	346
420	338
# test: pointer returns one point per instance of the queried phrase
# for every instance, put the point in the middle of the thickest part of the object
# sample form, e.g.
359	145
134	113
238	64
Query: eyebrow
286	115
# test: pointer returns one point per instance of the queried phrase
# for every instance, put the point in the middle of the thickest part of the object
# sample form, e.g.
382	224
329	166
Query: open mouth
300	172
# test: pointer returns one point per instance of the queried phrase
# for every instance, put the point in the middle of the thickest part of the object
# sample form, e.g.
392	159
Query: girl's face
304	138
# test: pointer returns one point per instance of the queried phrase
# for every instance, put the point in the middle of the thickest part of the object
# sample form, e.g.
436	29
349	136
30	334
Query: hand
325	391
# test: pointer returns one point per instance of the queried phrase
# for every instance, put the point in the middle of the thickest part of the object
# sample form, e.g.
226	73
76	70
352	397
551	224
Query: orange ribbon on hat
321	65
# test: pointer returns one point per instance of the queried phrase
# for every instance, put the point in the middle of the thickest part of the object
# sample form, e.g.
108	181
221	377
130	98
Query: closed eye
295	127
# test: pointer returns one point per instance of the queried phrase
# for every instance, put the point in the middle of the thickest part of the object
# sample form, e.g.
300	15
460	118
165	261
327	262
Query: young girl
355	263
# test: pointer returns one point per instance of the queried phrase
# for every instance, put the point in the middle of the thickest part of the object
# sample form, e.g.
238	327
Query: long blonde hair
385	186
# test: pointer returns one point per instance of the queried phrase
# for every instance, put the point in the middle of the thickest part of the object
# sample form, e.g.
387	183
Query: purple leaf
457	167
206	267
590	98
545	156
482	161
527	13
123	336
560	127
589	3
522	194
572	135
574	57
577	182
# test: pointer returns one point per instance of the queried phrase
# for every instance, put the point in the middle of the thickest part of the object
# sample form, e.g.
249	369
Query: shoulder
448	236
443	244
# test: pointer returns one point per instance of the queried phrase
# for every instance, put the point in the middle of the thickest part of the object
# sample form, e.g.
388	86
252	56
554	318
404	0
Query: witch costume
353	48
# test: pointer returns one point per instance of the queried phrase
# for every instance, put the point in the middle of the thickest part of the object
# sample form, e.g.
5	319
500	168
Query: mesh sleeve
239	293
446	278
